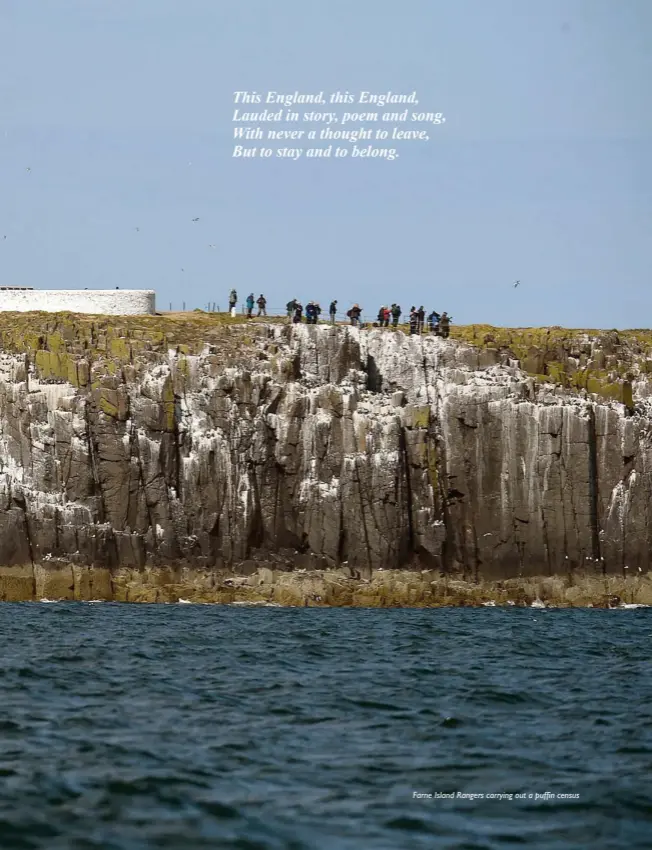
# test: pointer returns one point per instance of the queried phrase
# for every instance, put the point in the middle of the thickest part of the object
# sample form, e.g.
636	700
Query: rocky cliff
155	457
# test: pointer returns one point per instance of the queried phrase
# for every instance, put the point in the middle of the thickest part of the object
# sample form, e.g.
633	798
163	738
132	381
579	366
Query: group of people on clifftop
438	323
261	301
295	312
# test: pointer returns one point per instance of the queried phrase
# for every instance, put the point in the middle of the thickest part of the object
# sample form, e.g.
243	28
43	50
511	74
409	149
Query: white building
107	302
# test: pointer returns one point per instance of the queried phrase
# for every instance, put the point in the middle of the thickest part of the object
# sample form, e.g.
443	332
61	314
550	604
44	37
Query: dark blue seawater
183	726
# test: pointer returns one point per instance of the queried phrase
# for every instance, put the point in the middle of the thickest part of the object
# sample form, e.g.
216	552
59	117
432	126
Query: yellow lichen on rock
385	589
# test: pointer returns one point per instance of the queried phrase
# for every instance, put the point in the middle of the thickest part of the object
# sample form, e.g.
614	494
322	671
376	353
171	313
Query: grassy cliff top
70	346
21	332
82	334
598	361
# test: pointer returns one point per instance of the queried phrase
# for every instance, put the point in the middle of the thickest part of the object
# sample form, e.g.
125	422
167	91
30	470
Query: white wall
111	302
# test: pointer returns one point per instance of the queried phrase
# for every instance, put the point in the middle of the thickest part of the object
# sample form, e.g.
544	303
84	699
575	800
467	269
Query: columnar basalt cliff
154	458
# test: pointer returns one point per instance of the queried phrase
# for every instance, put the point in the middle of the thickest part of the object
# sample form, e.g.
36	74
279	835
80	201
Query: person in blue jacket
433	322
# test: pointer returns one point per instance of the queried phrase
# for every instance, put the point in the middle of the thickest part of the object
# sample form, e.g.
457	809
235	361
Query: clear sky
543	172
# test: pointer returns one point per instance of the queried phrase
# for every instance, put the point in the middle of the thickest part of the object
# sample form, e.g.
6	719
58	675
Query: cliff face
123	452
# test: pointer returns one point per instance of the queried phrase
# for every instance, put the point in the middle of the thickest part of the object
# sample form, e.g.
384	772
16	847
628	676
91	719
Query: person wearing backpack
354	314
433	322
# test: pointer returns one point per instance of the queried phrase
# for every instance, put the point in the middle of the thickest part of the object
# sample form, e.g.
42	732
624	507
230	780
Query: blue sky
543	171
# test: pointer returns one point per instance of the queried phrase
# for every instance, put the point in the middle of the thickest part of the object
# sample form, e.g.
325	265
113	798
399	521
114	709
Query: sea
261	728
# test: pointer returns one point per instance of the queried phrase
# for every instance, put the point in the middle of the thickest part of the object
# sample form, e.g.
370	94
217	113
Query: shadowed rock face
318	447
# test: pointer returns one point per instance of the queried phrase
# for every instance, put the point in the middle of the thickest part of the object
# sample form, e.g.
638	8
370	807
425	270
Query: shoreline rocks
314	588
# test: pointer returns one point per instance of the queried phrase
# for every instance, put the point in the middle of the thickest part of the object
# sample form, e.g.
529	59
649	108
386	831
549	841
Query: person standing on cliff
262	304
250	304
381	316
332	311
396	314
433	322
421	318
414	320
298	313
444	325
386	317
290	307
233	300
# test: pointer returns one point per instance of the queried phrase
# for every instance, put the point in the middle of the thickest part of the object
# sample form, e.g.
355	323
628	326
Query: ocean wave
260	604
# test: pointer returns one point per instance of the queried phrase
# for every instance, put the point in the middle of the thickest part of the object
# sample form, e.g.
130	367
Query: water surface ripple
191	726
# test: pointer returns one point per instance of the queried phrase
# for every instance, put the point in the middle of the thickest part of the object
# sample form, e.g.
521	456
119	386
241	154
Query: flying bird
28	169
195	219
138	230
518	283
210	246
